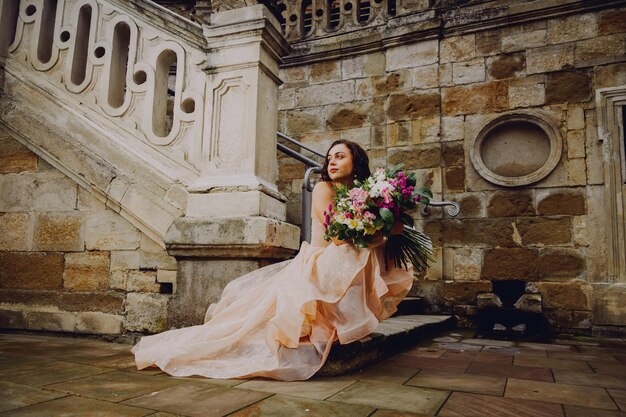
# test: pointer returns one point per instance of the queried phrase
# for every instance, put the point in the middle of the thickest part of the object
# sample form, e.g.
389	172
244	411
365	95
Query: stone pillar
235	215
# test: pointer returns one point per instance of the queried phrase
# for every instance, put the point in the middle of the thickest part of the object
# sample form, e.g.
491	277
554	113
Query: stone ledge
391	336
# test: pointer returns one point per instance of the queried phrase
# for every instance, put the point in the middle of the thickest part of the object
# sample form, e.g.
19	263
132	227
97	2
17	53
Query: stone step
391	336
411	305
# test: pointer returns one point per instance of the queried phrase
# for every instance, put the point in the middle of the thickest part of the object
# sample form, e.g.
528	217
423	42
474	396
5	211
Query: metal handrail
313	166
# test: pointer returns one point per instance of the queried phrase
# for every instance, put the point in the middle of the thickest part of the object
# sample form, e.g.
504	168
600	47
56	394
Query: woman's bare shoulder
323	188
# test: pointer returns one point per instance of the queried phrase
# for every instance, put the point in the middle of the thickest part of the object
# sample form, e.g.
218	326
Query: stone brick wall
424	101
67	262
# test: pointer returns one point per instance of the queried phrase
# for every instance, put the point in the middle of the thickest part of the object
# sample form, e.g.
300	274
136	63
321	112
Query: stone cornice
437	22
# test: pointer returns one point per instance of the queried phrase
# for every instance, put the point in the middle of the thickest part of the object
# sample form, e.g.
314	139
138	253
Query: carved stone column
235	214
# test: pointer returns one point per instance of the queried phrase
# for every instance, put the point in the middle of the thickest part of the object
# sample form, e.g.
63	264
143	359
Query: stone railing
308	18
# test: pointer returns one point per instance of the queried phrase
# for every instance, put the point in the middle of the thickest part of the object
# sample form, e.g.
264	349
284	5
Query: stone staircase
403	330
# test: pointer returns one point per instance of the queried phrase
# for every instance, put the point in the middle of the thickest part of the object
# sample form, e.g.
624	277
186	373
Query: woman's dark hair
360	160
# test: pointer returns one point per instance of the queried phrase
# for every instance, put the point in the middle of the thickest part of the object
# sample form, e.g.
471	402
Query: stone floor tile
489	342
50	373
202	379
447	339
449	365
287	406
577	356
559	393
12	361
391	413
502	350
595	350
510	371
459	346
78	407
91	357
545	346
619	396
427	352
537	353
481	356
473	405
562	376
578	411
392	397
459	382
114	386
317	389
195	400
607	368
570	365
16	396
383	373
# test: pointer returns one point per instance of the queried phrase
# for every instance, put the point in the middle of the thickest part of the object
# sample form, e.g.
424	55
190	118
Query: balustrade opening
334	14
81	45
364	11
307	16
9	12
119	64
46	31
391	7
163	105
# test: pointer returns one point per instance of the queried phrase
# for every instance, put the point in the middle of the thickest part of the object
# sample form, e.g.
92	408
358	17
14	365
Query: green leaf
387	215
423	192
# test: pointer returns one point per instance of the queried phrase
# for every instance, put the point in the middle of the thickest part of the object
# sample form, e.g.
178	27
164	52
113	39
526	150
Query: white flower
377	189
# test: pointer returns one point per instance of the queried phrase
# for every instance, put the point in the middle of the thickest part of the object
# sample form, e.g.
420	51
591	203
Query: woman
281	320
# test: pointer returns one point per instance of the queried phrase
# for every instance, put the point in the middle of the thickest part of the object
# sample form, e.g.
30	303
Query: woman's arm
323	196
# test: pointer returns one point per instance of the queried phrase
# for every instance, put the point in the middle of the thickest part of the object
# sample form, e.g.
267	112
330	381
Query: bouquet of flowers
373	205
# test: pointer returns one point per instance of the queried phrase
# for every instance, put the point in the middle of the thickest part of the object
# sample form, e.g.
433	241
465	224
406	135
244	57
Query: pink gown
281	320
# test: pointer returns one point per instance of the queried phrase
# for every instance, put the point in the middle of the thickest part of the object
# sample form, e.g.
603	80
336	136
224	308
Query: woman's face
340	167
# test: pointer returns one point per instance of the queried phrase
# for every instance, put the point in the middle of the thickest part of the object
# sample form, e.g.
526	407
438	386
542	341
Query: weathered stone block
426	77
561	202
142	281
488	42
88	201
530	303
301	121
471	205
382	85
414	157
323	72
510	263
608	304
367	65
572	28
167	277
506	66
99	323
549	58
511	204
525	94
570	321
403	106
349	116
49	320
31	270
452	128
480	98
290	171
425	129
15	158
488	232
16	192
568	86
106	230
453	153
467	264
580	230
146	312
575	117
399	134
454	179
464	292
488	301
599	51
562	295
286	98
153	256
54	193
577	171
544	231
521	41
612	21
412	55
107	302
59	232
86	271
328	93
468	71
561	263
15	234
121	260
457	48
611	75
10	319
